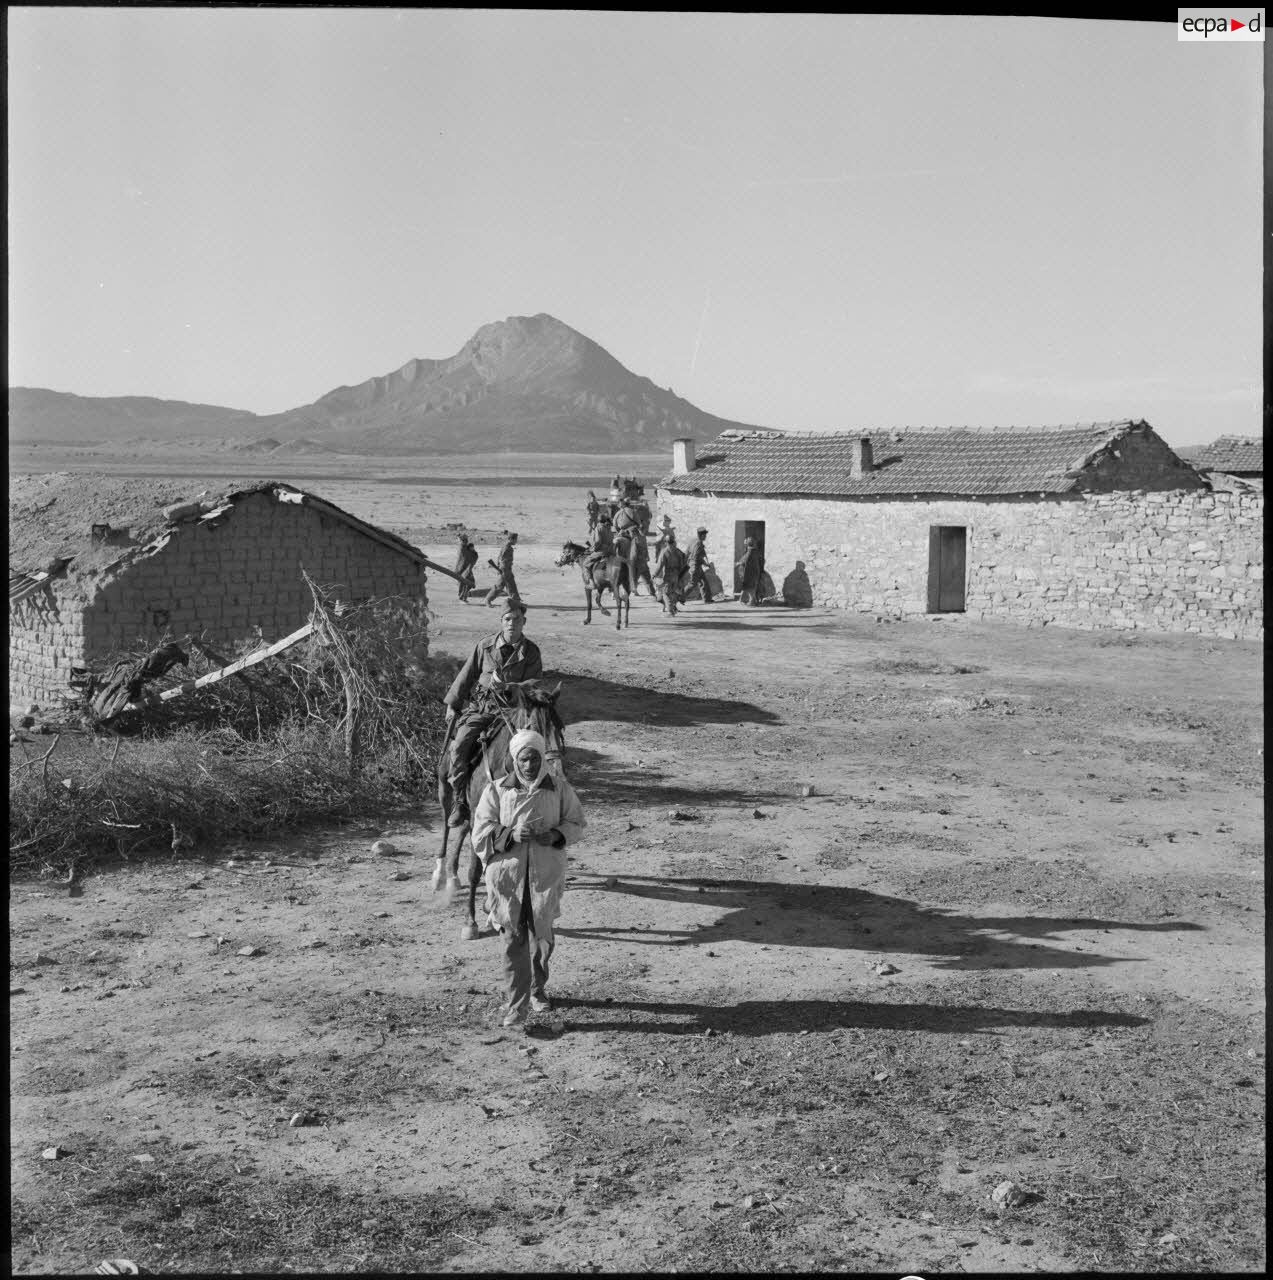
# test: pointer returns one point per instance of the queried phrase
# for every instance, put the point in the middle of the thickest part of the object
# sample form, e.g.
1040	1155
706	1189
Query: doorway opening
747	529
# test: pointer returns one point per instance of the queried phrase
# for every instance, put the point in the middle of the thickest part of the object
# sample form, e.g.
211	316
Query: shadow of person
797	591
770	913
777	1017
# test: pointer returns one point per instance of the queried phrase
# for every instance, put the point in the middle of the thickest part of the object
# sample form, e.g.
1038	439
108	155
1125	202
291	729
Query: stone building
1091	525
1229	459
84	587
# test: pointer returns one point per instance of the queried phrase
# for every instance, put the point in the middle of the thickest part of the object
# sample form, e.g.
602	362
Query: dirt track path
1054	838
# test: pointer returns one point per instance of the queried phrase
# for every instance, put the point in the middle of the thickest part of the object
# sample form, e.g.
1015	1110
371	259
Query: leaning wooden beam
188	686
450	573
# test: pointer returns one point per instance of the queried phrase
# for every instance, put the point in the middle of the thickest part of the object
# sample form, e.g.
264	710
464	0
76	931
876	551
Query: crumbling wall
1171	560
240	575
229	578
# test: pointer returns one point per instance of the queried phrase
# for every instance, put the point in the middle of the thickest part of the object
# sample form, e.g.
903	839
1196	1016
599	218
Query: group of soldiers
467	557
670	561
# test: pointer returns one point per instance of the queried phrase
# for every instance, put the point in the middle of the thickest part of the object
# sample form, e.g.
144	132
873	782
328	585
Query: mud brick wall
226	579
46	639
1168	560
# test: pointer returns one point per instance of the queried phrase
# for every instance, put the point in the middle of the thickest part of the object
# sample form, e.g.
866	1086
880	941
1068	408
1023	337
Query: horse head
571	553
532	704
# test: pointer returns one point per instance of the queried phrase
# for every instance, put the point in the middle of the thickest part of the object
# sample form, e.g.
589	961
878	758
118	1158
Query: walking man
521	827
503	658
594	511
698	566
506	582
669	569
464	563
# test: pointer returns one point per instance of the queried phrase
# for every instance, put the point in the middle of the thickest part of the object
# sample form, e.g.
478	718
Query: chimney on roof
682	456
859	457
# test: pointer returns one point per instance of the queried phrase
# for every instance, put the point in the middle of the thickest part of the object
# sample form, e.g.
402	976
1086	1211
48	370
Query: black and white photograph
636	641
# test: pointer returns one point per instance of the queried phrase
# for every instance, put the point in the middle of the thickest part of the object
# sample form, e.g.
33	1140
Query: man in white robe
521	827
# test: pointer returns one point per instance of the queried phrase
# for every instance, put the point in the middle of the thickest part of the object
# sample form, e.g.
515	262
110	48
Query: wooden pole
241	664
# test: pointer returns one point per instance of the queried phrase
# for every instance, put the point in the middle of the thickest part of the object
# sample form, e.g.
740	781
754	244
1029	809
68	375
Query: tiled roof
1229	453
961	461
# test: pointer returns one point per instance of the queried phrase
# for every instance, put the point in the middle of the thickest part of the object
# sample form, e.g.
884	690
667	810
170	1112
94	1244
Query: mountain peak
522	384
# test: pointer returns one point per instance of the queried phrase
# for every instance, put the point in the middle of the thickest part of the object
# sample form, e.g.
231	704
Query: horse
611	572
525	704
630	546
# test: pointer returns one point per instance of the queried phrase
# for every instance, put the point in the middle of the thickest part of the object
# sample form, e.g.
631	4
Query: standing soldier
594	511
669	568
464	563
748	567
506	582
698	566
664	530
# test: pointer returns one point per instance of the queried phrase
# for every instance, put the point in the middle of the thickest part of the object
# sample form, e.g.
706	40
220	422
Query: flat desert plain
869	919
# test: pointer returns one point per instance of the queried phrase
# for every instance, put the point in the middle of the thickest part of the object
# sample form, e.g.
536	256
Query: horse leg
587	599
470	930
439	870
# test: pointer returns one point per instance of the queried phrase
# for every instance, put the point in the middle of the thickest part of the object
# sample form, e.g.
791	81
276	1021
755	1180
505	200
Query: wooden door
947	568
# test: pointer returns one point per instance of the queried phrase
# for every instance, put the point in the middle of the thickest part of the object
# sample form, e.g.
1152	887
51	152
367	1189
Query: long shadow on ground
645	784
589	698
776	1017
771	913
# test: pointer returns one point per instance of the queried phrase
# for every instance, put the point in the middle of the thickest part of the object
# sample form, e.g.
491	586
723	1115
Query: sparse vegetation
347	722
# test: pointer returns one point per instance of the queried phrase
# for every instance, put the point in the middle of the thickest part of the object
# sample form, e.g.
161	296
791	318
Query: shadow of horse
772	913
517	705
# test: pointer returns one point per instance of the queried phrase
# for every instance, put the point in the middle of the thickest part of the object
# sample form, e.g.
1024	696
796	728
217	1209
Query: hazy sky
815	222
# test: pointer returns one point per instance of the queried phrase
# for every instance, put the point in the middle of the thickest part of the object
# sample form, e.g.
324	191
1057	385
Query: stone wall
1163	561
227	579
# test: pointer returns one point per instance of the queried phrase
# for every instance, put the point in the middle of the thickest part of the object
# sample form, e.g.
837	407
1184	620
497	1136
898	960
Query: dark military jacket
488	663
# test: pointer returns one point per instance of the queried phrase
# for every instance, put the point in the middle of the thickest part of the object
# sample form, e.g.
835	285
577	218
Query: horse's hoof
453	885
468	932
438	872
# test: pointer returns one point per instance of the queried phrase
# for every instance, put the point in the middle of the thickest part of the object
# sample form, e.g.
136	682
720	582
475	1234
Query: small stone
384	848
53	1153
144	1159
298	1120
1008	1195
806	790
885	969
399	875
248	951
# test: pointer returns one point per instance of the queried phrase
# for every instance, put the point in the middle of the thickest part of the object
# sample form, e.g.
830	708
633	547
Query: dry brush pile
346	721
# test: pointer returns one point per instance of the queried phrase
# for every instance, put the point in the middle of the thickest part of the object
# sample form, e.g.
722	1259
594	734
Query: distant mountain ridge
526	384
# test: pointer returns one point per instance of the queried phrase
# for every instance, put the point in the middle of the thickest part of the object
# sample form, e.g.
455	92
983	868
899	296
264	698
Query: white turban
519	742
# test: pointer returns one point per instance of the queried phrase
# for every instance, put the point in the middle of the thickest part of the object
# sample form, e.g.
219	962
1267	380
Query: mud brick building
1092	525
225	568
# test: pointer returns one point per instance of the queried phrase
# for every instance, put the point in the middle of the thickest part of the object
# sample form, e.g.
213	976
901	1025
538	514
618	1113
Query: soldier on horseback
601	544
503	658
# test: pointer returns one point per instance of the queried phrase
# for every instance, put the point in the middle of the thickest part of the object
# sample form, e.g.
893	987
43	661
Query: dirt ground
1016	932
